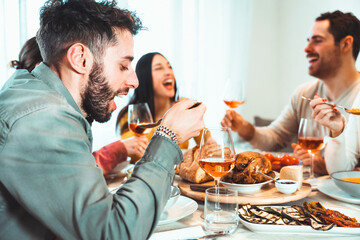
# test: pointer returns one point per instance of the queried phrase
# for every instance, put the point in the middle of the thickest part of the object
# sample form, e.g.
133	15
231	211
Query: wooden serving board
267	195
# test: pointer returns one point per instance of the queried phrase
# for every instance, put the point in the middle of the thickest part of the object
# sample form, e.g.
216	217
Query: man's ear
79	58
346	44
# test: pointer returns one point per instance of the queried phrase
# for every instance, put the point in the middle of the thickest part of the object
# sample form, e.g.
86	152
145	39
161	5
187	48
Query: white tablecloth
243	233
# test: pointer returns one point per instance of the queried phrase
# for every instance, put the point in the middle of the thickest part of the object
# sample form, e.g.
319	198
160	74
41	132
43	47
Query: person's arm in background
319	161
299	152
114	153
342	152
271	138
123	126
208	138
342	146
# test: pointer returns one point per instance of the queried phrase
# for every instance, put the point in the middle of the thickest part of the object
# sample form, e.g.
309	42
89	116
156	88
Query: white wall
277	63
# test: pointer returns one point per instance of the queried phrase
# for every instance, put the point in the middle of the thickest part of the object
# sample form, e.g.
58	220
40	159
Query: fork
151	125
210	236
263	174
351	111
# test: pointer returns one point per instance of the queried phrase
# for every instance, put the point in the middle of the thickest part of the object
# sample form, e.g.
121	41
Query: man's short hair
342	25
65	22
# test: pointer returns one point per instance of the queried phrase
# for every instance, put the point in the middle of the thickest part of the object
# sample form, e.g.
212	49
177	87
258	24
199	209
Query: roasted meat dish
246	164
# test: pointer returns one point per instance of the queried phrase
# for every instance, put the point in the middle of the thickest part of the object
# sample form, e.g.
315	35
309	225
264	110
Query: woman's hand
135	146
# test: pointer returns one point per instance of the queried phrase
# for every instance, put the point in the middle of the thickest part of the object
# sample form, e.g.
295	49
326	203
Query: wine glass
311	138
138	115
217	159
233	97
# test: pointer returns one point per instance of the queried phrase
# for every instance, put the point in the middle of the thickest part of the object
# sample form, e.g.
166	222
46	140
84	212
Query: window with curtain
19	21
206	41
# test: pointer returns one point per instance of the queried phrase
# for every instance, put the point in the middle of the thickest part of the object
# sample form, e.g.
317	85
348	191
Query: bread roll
190	170
293	172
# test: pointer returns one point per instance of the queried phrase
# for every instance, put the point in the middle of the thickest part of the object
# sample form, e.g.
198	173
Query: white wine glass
233	96
217	159
139	114
311	138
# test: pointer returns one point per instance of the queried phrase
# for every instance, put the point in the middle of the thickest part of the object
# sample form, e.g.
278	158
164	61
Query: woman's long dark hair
29	56
145	91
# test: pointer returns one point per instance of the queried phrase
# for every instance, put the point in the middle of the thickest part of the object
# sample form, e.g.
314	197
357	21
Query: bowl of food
243	188
174	195
281	159
286	186
348	181
244	178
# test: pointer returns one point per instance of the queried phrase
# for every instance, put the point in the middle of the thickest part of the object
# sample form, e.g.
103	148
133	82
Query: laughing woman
157	88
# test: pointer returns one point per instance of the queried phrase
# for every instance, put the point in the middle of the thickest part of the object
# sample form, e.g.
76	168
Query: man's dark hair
63	23
342	25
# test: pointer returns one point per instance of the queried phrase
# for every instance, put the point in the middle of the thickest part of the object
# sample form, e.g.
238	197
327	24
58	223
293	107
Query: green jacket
49	182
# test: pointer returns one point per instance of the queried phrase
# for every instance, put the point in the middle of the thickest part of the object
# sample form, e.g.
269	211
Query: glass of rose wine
138	115
311	138
233	96
217	159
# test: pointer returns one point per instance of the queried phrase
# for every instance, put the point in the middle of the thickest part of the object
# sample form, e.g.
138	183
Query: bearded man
50	185
331	51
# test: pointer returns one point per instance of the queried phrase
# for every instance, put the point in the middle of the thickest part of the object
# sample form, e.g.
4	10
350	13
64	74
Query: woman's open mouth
168	84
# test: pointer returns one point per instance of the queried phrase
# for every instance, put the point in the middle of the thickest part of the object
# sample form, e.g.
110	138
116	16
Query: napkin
183	233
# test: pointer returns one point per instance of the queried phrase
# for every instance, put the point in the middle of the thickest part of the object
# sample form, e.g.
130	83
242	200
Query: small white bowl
286	186
174	195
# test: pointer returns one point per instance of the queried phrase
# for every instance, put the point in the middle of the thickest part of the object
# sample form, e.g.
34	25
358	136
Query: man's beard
97	96
330	66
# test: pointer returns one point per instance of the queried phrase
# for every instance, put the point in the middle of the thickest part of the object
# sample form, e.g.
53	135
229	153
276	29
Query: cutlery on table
149	125
210	236
354	111
199	187
257	171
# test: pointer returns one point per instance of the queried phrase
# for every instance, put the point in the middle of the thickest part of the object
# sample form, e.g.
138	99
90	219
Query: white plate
298	229
183	207
328	187
247	188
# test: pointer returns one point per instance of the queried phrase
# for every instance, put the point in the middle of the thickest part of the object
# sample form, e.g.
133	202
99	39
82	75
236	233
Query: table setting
227	190
267	195
186	215
246	230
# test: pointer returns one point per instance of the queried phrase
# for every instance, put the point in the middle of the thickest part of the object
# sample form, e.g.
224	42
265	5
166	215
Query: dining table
192	226
242	232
